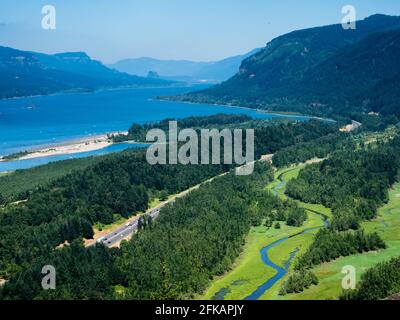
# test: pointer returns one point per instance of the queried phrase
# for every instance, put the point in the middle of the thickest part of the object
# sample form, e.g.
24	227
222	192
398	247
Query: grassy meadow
249	271
387	225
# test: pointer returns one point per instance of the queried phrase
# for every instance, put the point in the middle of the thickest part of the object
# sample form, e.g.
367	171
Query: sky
199	30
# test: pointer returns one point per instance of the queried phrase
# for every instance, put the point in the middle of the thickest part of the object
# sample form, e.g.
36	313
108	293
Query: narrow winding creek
281	270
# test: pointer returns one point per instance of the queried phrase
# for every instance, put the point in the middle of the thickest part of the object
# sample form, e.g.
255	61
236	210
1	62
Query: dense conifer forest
174	257
199	236
62	209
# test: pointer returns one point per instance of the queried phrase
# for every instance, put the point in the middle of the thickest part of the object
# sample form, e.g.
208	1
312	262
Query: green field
287	175
329	274
249	271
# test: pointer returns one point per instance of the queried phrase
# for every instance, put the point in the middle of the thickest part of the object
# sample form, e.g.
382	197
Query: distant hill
325	70
165	68
25	73
224	69
183	70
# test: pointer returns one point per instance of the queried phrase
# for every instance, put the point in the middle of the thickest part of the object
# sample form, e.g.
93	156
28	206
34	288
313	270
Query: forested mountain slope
25	73
295	72
363	77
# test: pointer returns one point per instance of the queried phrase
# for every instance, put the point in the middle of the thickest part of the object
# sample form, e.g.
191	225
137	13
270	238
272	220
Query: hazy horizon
173	30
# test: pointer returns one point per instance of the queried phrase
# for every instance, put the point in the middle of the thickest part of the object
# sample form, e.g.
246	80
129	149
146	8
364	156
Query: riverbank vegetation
354	184
249	271
15	156
387	225
379	282
329	245
298	282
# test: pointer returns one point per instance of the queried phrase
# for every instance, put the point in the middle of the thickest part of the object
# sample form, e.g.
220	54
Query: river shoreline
85	144
287	114
94	142
78	144
83	91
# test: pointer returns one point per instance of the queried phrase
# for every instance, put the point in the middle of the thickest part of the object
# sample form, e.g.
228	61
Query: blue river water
281	271
30	163
35	122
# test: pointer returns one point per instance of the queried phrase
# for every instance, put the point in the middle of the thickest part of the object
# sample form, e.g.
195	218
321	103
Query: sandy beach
87	144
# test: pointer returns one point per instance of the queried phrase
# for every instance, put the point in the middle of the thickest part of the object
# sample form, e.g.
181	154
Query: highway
123	232
126	230
115	236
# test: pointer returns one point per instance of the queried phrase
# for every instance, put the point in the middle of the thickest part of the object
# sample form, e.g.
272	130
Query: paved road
130	228
126	230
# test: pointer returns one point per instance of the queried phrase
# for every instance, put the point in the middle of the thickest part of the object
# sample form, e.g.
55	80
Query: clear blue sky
169	29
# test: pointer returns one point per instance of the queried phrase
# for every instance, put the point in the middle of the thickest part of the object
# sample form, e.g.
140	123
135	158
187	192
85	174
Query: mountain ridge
273	78
26	73
183	70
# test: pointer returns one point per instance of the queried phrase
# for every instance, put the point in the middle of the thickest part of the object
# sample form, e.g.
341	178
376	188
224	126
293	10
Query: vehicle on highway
100	240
